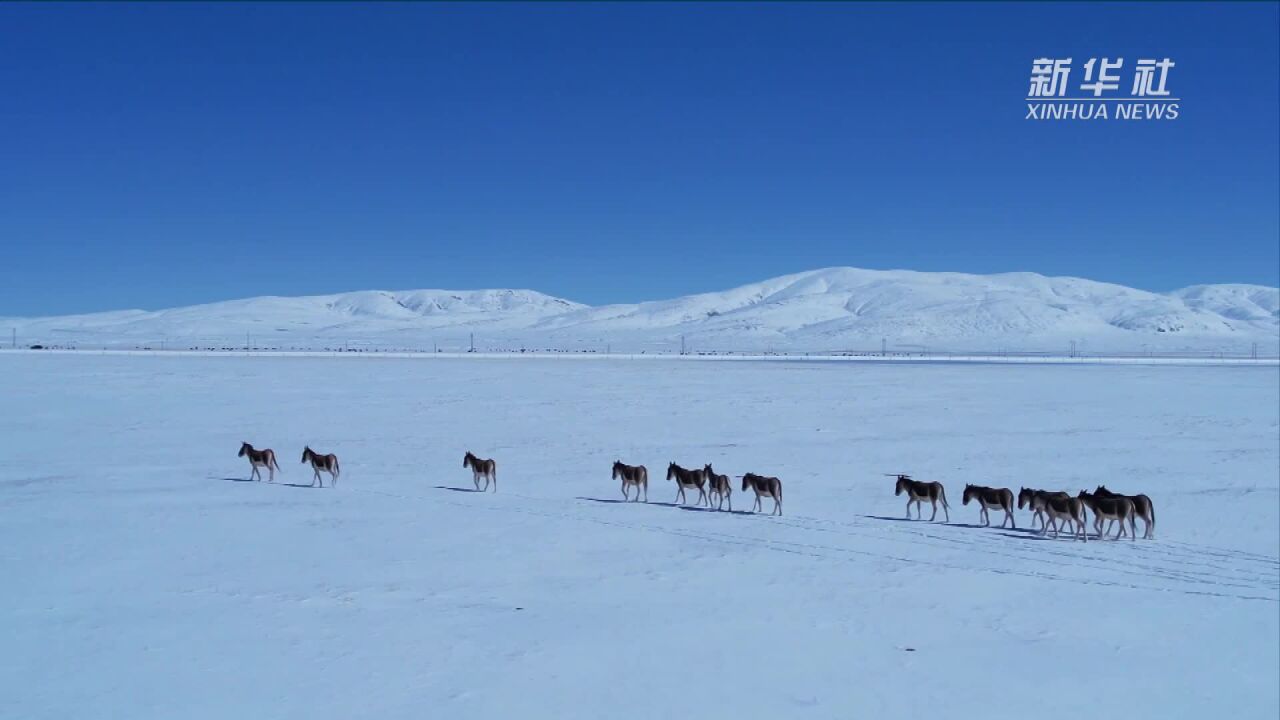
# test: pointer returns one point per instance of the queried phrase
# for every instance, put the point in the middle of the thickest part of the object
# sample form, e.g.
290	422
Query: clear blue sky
158	155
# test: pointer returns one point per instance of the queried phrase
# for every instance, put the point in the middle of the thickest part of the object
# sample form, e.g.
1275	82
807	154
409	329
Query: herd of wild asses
1052	509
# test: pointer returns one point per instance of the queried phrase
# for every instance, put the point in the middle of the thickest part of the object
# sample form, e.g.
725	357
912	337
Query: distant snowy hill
829	309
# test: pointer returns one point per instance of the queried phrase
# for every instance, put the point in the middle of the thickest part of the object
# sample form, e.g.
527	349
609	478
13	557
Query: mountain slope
828	309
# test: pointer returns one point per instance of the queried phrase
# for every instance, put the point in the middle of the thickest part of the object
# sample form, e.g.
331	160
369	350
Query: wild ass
481	468
917	492
1061	506
327	463
1036	499
1142	507
989	499
1110	508
630	475
260	459
688	480
719	487
764	486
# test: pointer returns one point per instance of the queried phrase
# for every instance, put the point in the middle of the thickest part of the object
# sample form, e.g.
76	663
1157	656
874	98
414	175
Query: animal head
306	452
617	468
671	470
969	491
902	484
707	469
466	459
1024	497
244	449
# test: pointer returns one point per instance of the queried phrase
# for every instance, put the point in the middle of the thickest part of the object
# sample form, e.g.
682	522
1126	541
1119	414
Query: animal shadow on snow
1011	532
456	489
658	503
267	482
900	519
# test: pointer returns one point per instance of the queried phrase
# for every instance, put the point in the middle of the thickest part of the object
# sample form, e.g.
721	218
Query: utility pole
14	342
682	344
1073	348
883	347
473	343
247	343
1255	351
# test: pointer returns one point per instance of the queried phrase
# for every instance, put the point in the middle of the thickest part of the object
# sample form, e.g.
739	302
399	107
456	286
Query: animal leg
777	504
935	511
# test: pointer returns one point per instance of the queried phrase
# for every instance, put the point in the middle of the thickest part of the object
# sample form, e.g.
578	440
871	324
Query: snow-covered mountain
828	309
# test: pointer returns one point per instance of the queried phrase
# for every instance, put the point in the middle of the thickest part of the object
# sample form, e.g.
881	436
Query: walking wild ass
1142	508
327	463
1036	500
481	468
719	487
917	492
990	499
1110	508
764	486
631	475
688	480
1060	506
260	459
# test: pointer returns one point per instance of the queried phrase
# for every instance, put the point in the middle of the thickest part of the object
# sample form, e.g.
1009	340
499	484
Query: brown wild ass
327	463
1061	506
719	487
688	480
917	492
764	486
1110	508
1142	507
630	475
481	468
990	499
260	459
1036	499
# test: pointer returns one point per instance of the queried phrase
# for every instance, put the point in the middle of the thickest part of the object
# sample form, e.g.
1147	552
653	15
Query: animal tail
942	490
336	467
273	462
1151	508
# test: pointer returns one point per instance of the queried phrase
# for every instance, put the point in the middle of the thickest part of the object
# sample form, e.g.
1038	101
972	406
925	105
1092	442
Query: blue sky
159	155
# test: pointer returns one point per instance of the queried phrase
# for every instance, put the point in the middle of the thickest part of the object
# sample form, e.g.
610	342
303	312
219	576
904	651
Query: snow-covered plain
144	578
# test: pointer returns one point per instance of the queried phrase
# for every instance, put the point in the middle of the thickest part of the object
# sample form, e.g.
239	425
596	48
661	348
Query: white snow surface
145	578
820	310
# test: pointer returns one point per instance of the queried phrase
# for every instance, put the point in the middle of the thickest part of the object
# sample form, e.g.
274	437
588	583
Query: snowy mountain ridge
824	309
